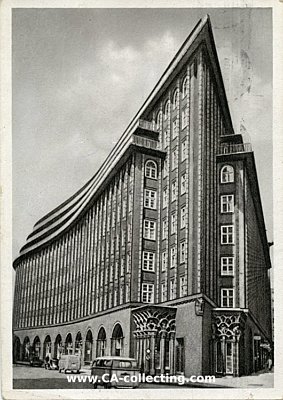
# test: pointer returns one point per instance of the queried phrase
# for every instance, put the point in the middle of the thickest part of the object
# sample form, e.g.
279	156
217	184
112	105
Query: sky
80	75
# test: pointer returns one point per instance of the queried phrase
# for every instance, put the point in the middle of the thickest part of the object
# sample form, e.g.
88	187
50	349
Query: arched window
78	343
101	343
26	346
175	99
36	346
16	349
69	344
184	87
88	347
166	109
58	346
47	346
117	341
151	169
227	174
159	120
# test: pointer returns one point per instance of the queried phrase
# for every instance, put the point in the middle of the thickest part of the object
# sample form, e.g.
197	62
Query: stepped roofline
58	220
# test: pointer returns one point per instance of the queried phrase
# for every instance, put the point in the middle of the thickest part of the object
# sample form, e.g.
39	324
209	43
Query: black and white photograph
142	236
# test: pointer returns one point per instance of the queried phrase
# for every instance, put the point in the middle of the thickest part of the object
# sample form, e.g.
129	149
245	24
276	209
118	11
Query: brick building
163	254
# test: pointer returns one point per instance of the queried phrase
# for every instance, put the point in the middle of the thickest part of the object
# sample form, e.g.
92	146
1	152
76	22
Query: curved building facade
162	255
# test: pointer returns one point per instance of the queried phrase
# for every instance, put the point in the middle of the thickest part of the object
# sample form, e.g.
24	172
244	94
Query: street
26	377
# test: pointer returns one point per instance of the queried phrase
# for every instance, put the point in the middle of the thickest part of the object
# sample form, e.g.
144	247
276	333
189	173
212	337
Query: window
115	297
122	267
227	234
150	199
172	293
174	159
184	87
121	301
164	228
175	128
227	265
164	261
175	99
166	109
227	203
173	223
165	197
123	237
159	121
116	270
149	229
173	257
182	286
184	119
183	217
124	207
227	174
165	138
174	190
127	292
148	292
165	168
183	184
128	262
182	252
227	297
148	261
183	150
151	169
163	292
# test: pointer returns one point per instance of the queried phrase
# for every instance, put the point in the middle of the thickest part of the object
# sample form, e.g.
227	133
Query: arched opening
159	121
58	346
175	99
151	169
117	341
26	349
101	343
184	87
167	109
88	347
78	344
36	347
227	174
69	344
47	347
16	349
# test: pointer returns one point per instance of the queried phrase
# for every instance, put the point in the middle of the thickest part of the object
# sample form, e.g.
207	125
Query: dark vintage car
35	361
115	372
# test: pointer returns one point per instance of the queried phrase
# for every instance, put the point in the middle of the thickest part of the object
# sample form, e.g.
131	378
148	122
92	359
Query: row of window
148	262
148	290
226	173
227	231
175	101
227	294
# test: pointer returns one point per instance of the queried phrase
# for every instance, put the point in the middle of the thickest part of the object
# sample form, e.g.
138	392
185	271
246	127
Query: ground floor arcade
190	338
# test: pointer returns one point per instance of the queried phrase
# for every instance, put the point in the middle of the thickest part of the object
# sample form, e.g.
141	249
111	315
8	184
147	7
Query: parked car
114	371
69	362
35	361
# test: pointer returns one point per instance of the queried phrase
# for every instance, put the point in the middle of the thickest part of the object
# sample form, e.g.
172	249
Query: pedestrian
269	363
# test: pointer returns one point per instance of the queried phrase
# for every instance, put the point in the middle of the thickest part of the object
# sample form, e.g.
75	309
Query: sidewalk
261	379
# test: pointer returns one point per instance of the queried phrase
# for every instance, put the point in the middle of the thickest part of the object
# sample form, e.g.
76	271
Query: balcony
232	148
146	125
145	142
